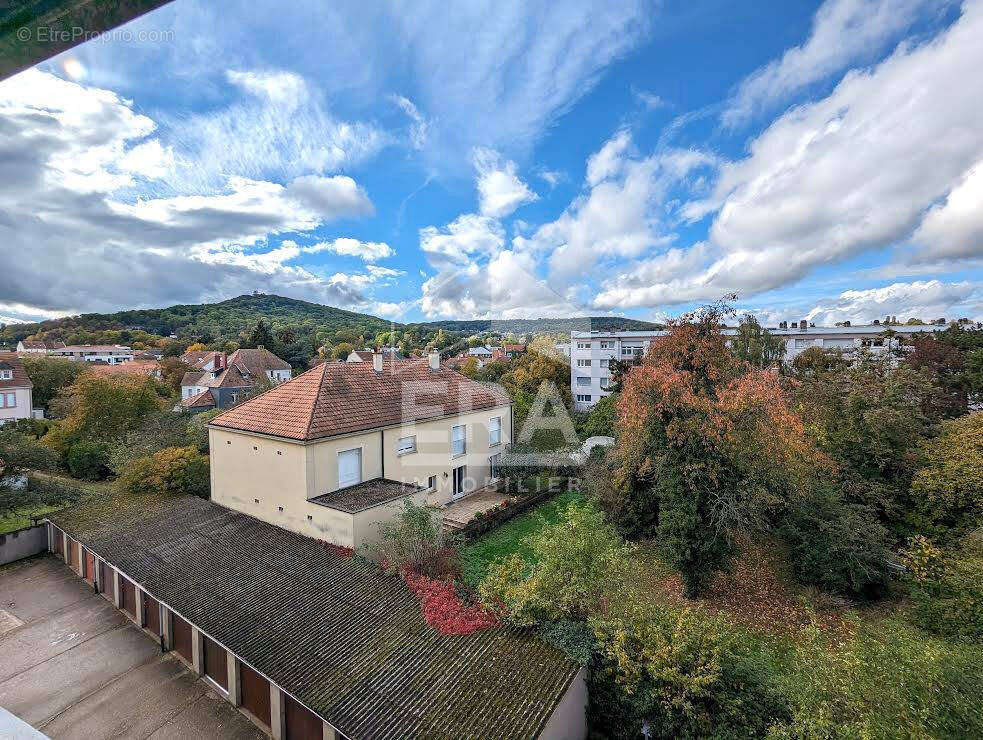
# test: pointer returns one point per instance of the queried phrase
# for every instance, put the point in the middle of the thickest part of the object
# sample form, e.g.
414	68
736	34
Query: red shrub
442	608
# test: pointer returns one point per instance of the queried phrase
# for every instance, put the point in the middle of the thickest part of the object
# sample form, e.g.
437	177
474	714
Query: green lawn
507	539
22	517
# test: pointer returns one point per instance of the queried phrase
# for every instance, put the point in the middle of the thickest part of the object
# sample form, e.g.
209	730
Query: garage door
89	566
255	692
59	540
302	724
182	638
106	576
73	553
129	598
216	663
151	613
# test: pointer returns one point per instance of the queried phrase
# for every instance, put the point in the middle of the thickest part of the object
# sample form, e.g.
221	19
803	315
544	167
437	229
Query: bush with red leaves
442	608
340	550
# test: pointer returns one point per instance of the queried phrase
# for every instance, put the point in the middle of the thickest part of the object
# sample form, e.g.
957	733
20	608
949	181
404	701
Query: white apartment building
112	354
591	352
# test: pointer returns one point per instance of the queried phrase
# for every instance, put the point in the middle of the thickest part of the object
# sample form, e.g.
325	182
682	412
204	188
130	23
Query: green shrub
37	493
88	460
888	680
947	590
835	545
681	673
173	470
415	541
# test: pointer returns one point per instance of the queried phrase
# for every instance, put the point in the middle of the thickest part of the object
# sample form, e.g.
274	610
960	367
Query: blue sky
821	160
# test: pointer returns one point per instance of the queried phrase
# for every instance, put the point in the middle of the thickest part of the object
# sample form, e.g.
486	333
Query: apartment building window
582	398
9	400
583	345
406	445
581	380
583	363
495	430
6	374
349	467
605	363
458	445
607	345
629	351
493	464
803	342
605	383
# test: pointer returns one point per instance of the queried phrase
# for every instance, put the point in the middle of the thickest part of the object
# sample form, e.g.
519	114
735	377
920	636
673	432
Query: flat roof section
365	495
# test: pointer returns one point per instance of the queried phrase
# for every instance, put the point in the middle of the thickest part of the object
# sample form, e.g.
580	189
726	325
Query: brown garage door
182	638
89	566
73	553
106	576
129	592
255	691
216	660
59	540
151	613
302	724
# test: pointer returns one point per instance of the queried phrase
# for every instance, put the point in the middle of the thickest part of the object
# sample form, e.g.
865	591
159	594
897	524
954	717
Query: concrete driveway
75	667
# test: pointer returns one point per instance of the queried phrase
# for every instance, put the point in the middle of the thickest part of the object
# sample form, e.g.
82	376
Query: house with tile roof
219	381
335	451
16	389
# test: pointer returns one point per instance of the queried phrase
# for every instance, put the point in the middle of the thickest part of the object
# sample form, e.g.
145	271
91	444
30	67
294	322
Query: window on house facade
349	467
9	400
458	445
581	380
432	483
583	398
406	445
6	374
495	430
583	363
583	345
493	464
459	477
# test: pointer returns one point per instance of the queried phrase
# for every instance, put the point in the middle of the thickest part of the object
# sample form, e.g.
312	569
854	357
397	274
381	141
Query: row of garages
263	702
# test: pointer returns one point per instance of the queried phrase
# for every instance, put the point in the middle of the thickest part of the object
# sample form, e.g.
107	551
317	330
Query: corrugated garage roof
337	634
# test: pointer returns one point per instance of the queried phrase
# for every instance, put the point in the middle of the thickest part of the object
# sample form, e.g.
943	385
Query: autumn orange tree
708	446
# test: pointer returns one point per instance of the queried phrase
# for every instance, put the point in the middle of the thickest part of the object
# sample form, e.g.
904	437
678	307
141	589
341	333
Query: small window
583	363
9	400
607	345
493	464
583	345
432	483
583	398
605	383
458	445
495	430
581	380
6	374
605	363
406	445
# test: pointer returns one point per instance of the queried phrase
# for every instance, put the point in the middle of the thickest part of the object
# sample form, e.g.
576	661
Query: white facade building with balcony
591	352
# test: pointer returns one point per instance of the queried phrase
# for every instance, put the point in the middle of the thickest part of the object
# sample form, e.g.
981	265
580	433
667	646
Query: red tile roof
343	397
257	361
19	379
202	400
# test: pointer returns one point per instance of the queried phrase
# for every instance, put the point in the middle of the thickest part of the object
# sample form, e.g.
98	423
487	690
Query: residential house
337	450
508	351
38	348
16	389
591	352
220	381
111	354
360	355
150	368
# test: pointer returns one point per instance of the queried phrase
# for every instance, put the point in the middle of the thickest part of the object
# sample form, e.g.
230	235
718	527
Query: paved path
74	666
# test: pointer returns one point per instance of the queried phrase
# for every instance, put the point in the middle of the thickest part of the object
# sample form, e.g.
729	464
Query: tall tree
707	445
50	375
756	345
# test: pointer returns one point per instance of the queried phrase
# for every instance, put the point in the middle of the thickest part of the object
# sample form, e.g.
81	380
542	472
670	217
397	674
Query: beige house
337	450
16	389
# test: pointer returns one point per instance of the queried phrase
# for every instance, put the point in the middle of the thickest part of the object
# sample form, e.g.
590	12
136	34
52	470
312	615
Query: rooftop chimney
846	323
377	361
433	359
260	346
803	324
